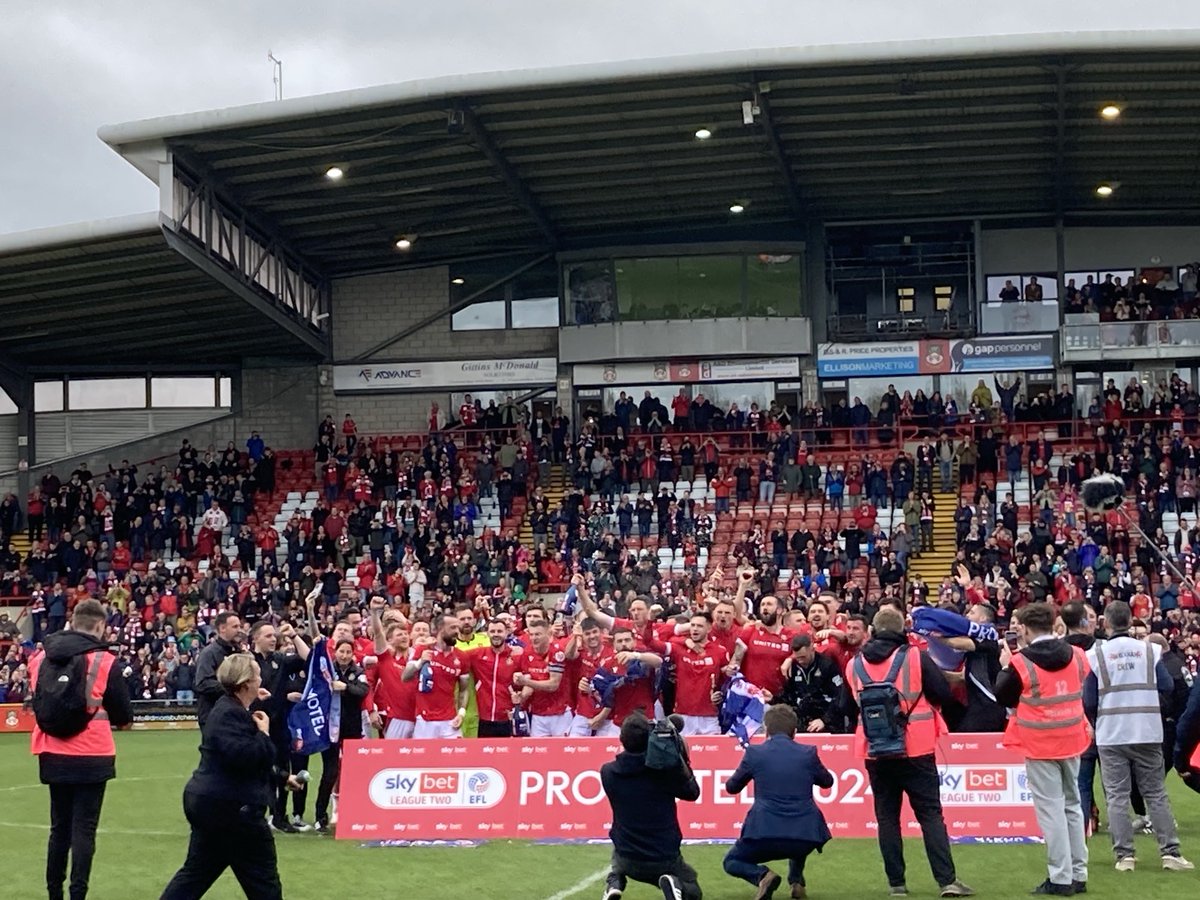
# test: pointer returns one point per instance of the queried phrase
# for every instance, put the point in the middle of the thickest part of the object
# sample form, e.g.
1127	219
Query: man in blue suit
784	822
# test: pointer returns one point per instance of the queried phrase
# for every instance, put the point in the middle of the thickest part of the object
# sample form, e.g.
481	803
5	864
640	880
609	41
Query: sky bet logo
975	780
436	788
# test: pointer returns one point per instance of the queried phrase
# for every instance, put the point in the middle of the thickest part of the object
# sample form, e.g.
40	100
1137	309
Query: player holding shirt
699	661
762	647
636	694
439	712
543	690
591	653
648	636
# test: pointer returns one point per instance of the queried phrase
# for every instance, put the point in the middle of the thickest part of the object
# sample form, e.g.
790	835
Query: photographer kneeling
642	785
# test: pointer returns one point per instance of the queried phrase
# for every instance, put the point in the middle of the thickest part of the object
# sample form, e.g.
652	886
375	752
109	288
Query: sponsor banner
15	718
549	790
424	375
995	354
155	715
878	358
686	371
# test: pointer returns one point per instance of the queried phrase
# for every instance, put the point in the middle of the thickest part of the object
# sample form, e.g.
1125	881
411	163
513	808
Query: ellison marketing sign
865	360
424	375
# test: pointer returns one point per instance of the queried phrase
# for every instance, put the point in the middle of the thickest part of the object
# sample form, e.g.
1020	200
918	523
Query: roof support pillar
775	145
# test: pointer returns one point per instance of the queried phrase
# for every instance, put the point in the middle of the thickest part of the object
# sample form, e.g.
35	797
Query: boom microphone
303	777
1102	493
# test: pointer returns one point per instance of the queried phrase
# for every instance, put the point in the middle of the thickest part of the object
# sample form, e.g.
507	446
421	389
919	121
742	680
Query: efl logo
987	780
439	783
436	788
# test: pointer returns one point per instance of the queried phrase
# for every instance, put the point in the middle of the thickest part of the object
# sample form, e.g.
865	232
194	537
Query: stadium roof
112	292
589	156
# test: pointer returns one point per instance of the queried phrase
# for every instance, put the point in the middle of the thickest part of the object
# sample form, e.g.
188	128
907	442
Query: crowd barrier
550	791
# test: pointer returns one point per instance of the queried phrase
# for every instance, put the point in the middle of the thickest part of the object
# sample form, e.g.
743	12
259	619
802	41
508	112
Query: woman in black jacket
351	683
227	798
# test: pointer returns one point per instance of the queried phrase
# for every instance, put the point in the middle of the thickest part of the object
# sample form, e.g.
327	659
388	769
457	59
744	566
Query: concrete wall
1022	251
369	308
280	402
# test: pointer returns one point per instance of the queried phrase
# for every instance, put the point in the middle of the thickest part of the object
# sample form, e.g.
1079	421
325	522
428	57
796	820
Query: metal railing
933	324
1163	339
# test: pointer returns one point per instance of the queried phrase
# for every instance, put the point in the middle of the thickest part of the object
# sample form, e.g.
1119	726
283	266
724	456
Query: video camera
666	748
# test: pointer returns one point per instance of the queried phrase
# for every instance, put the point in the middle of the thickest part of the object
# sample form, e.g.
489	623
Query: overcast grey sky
70	66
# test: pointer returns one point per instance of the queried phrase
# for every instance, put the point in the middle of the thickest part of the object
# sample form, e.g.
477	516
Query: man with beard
698	663
276	670
228	640
587	654
492	667
440	709
762	647
813	685
634	691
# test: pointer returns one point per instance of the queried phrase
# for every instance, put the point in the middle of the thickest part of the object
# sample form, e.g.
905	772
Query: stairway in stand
20	544
554	492
934	565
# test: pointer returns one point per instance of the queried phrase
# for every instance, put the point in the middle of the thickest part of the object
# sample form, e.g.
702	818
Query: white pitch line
120	831
582	885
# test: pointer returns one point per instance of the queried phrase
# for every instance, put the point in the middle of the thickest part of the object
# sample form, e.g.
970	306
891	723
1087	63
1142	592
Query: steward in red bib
77	767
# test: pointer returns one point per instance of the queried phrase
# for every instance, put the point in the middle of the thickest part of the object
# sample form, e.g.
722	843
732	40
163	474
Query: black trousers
495	729
916	778
283	759
299	763
331	768
625	869
226	836
74	816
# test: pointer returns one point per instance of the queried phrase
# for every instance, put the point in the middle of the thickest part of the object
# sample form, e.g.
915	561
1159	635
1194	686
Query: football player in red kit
698	676
637	693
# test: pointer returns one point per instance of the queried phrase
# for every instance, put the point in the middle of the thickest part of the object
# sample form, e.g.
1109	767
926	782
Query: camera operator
813	684
642	785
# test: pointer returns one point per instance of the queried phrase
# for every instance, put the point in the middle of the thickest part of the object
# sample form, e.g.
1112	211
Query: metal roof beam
451	309
507	173
203	261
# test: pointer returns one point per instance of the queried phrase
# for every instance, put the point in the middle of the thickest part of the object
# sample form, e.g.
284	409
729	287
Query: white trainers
1126	864
300	825
1176	864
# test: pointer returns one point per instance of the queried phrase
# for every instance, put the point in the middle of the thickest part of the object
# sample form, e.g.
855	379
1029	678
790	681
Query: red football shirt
396	697
493	671
438	705
586	664
765	653
631	697
539	667
697	675
726	638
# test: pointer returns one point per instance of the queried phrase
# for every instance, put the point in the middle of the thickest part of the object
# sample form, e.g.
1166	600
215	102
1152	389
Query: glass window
591	293
537	312
773	285
485	316
107	393
7	406
710	287
48	396
182	392
225	393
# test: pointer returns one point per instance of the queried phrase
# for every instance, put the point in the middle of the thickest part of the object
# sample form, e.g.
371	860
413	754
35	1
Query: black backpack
60	697
881	709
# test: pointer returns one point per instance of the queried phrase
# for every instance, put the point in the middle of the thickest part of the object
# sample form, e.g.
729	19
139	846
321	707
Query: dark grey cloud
68	67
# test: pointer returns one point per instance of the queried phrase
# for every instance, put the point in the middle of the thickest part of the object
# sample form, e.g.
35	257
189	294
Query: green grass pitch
144	836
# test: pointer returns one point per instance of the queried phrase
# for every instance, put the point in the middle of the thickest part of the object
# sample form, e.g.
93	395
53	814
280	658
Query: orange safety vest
1049	721
97	738
924	723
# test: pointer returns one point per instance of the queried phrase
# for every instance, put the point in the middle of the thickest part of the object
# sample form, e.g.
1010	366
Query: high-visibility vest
1128	711
924	723
1049	721
97	738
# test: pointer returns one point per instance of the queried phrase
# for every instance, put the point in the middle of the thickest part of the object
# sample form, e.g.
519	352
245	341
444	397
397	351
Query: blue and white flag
314	723
569	600
743	708
605	682
930	621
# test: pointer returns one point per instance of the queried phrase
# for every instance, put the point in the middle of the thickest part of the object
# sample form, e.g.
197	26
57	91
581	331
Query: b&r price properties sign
549	790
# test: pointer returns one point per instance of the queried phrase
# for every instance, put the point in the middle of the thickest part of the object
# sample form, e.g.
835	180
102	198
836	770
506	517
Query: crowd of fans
1153	295
404	522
